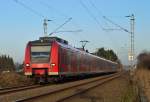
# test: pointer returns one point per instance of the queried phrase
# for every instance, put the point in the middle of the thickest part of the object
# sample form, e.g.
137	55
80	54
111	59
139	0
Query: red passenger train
52	57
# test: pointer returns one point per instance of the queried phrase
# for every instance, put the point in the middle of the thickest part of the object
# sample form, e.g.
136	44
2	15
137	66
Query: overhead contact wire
90	13
29	8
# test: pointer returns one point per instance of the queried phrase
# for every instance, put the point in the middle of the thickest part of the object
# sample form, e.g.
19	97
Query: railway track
14	89
7	88
63	92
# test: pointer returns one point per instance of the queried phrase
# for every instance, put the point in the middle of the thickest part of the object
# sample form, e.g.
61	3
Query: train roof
84	52
48	40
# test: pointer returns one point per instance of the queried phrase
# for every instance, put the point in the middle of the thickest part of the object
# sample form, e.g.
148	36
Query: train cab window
40	54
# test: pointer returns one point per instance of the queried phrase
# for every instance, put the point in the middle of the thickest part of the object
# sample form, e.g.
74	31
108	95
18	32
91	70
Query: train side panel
54	61
27	69
78	62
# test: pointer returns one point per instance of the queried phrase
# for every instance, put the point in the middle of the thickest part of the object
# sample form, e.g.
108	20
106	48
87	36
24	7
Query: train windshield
40	54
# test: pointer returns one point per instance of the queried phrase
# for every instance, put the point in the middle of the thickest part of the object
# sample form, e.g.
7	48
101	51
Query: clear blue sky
19	24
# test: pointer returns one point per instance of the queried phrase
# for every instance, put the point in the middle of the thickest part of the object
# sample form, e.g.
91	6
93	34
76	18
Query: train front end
41	59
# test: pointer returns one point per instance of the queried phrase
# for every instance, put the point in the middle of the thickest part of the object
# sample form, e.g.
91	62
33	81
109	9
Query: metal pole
132	40
45	26
131	50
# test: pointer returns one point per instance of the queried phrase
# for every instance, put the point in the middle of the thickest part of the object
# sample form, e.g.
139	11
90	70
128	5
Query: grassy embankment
12	79
139	87
142	78
131	92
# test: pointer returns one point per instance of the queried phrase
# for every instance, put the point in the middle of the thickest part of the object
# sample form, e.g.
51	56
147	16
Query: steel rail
8	88
16	89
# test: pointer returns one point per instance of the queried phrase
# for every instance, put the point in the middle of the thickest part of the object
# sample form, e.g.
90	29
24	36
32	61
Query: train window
79	62
40	54
68	60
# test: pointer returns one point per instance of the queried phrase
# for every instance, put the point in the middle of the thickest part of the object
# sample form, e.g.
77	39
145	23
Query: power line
45	4
101	15
97	21
68	31
99	12
90	13
28	8
117	25
131	32
95	7
110	21
68	20
57	11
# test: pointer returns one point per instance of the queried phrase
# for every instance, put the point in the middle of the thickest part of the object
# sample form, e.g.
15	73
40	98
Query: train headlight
27	65
53	64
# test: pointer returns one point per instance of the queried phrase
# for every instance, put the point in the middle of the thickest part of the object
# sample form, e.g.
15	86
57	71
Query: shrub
143	60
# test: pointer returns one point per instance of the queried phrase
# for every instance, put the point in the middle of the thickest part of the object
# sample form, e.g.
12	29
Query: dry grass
130	94
142	77
117	90
12	79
